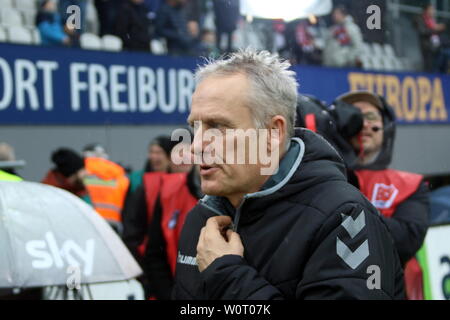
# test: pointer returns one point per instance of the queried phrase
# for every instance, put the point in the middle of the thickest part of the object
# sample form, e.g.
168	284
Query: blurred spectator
193	17
6	155
132	25
100	182
401	197
95	150
152	6
172	24
208	44
48	21
135	215
107	11
81	4
434	50
343	46
279	36
68	173
227	15
7	172
177	194
301	42
107	184
134	222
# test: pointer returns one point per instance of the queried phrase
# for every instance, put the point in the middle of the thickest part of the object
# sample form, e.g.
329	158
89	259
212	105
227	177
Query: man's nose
366	124
197	143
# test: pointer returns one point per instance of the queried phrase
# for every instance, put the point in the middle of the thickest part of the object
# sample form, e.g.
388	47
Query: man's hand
215	242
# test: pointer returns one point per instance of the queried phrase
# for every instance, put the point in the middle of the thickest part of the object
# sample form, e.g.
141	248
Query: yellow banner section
414	98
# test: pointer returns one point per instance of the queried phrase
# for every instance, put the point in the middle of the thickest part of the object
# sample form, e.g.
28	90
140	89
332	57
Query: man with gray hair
300	232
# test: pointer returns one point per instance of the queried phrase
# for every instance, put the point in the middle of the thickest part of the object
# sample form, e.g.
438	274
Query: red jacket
392	192
176	201
57	179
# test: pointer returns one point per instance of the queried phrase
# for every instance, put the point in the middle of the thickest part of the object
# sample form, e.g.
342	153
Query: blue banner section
40	85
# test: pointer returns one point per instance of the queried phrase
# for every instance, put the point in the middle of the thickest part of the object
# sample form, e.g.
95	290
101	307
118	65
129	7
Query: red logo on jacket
388	188
383	195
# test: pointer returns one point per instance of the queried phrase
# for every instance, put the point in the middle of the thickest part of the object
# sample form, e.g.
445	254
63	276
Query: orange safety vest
107	185
386	189
176	202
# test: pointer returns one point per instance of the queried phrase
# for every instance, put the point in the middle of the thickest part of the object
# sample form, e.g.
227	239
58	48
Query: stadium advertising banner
434	258
41	85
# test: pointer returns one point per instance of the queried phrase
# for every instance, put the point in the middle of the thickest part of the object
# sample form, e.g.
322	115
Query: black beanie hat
67	161
165	143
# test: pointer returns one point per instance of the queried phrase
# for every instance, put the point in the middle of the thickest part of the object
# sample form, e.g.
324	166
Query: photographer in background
361	126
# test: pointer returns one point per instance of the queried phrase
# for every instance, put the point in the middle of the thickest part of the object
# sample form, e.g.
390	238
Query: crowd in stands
211	28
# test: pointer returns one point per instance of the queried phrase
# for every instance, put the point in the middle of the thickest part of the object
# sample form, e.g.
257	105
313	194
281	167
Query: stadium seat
400	65
367	49
36	35
367	63
90	41
378	63
19	34
389	64
2	35
11	17
6	4
158	47
111	43
25	5
29	17
377	49
388	50
92	24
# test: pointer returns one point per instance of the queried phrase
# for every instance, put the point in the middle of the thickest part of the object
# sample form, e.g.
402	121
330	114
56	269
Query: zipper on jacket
237	216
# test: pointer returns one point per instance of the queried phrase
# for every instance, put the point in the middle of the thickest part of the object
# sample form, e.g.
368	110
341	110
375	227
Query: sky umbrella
49	237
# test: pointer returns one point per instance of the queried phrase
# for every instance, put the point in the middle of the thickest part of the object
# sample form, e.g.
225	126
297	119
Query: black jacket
132	26
409	223
171	24
308	234
155	264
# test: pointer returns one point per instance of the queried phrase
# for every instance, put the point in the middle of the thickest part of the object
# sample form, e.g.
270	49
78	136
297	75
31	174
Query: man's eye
216	126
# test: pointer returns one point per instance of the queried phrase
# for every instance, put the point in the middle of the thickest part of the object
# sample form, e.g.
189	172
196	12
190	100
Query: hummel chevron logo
353	226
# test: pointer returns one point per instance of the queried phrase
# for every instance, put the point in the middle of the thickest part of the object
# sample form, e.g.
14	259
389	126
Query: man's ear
277	133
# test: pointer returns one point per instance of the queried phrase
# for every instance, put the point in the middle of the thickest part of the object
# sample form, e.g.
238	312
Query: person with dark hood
100	182
68	173
361	126
289	228
401	196
50	26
